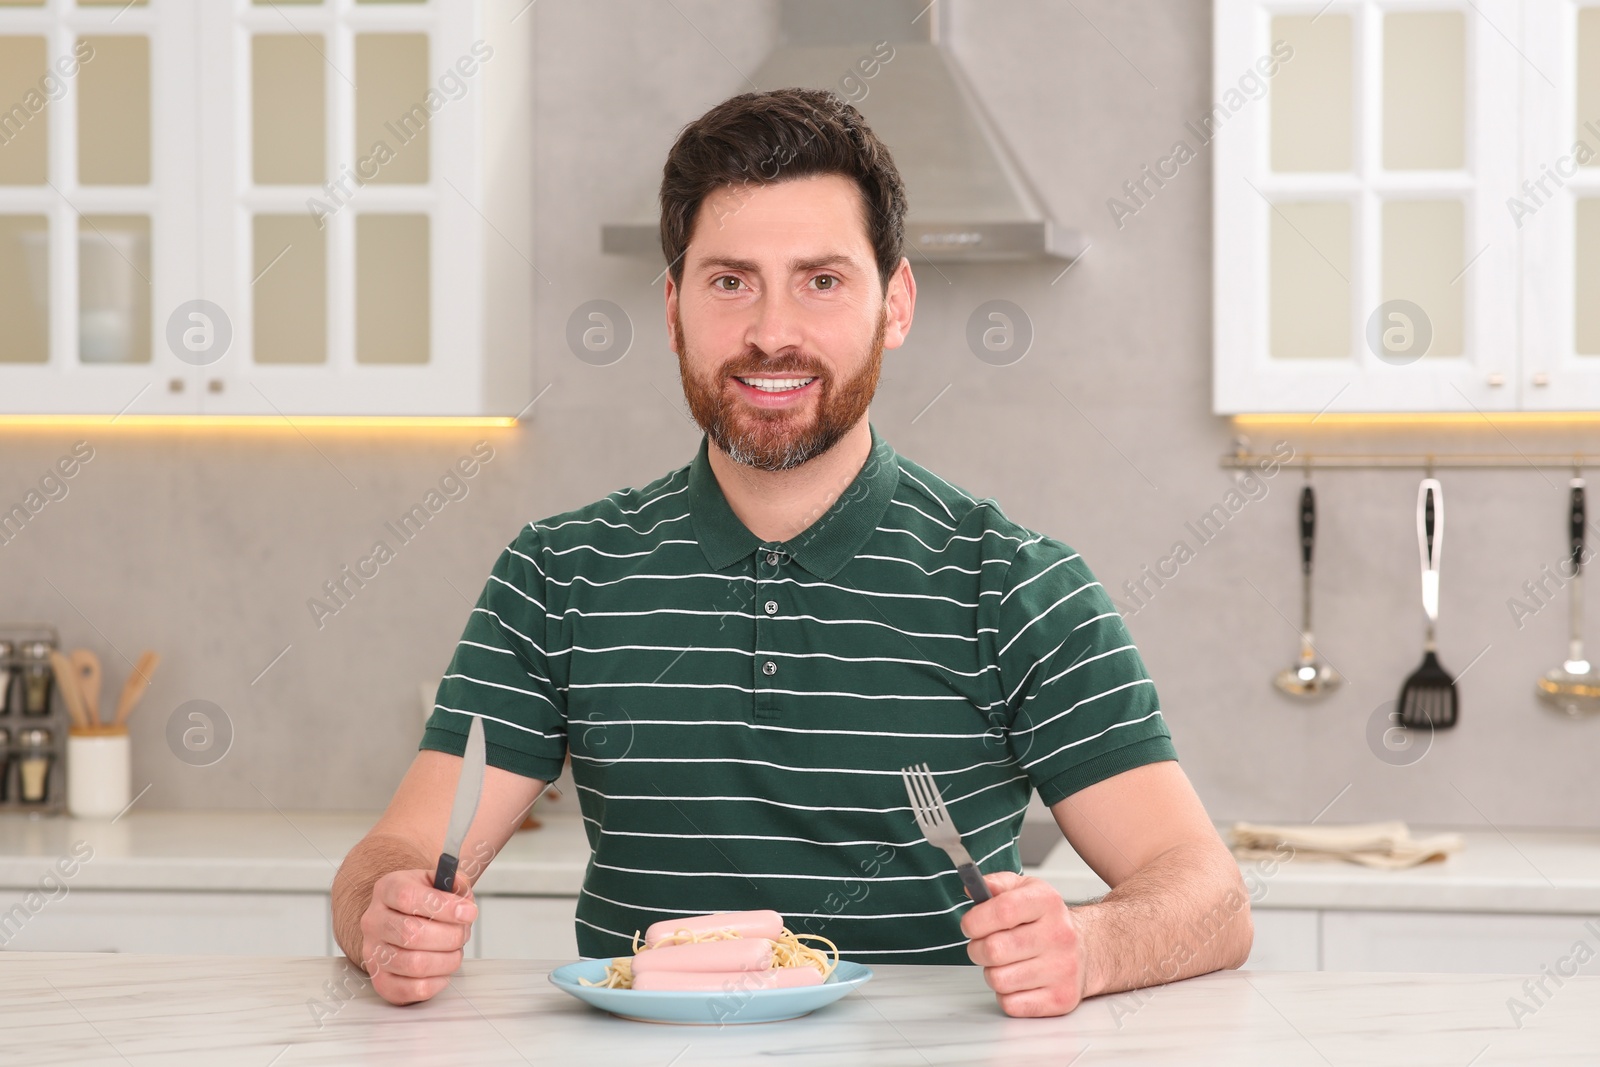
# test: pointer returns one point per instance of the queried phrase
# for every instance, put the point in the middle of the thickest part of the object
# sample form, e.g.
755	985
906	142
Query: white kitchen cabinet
1406	206
1286	939
295	223
248	924
527	928
1459	942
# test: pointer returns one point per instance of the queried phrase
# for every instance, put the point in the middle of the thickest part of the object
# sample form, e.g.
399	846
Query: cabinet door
1460	942
97	227
527	928
1287	939
246	924
1557	208
1364	260
345	217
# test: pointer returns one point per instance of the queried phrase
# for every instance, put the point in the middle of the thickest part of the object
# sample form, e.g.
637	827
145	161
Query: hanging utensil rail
1242	458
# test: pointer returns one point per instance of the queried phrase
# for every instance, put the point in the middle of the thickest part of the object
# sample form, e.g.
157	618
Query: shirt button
772	607
769	667
772	558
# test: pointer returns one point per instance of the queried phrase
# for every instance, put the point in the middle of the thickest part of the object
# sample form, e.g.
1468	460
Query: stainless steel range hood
968	200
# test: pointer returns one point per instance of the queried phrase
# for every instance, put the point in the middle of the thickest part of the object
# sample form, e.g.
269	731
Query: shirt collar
824	547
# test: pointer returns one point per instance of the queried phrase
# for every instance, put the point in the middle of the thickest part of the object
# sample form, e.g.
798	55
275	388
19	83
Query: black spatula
1428	698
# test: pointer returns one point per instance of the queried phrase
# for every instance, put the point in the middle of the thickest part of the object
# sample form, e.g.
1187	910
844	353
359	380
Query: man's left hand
1028	945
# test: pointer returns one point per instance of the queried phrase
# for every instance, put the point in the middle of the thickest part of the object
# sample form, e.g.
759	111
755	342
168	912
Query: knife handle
973	881
444	878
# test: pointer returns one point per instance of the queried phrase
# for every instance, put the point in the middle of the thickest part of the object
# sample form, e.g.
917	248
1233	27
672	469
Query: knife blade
468	789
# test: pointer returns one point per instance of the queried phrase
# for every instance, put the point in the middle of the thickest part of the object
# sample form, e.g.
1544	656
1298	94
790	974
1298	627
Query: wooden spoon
67	682
87	665
134	687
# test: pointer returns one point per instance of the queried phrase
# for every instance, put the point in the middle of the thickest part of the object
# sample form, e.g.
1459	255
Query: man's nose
777	325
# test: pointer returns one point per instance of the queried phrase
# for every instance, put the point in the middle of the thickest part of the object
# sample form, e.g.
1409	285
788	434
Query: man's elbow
1244	937
1241	928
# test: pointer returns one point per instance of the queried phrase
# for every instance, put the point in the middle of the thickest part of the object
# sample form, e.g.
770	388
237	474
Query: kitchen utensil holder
101	767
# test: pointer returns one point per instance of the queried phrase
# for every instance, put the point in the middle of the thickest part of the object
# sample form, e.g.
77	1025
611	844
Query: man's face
779	287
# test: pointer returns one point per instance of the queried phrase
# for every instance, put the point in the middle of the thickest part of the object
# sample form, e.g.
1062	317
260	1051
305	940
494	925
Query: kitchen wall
207	545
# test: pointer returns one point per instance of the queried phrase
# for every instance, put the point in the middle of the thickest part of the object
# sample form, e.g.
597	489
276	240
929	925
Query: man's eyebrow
837	259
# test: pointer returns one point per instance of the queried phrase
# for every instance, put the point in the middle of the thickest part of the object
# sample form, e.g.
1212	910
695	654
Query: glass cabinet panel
25	127
288	124
24	288
290	290
114	289
1423	253
1310	281
1424	90
1588	82
1586	246
391	85
392	289
1312	97
114	112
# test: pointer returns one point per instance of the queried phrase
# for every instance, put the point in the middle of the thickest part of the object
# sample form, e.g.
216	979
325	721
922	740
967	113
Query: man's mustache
768	369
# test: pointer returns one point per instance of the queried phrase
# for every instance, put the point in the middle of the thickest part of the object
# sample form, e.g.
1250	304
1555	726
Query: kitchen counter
91	1009
1555	872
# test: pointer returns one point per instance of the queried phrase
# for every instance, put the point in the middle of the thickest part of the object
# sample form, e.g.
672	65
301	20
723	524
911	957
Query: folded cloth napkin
1375	844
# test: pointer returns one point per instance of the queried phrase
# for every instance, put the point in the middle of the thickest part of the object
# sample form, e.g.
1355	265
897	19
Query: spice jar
35	761
37	679
5	764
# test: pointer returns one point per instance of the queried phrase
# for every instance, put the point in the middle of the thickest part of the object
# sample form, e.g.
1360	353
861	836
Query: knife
468	788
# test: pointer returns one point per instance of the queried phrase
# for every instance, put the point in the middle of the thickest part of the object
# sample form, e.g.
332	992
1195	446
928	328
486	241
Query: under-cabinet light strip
264	422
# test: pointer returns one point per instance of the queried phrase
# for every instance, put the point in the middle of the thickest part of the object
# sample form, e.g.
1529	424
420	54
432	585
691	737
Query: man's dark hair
764	138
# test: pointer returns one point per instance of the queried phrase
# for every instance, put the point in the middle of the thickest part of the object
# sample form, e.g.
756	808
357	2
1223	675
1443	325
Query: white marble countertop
88	1009
1520	871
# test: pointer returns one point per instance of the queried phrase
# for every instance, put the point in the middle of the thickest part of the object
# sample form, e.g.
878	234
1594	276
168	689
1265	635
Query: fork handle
973	881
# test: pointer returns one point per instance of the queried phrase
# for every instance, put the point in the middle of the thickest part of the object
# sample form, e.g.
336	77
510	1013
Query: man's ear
900	301
671	293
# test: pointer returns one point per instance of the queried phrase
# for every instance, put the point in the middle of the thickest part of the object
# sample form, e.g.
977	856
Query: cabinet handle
1497	380
175	385
1541	379
214	385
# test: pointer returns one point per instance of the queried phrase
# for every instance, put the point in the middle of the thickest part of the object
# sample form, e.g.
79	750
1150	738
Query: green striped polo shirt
738	710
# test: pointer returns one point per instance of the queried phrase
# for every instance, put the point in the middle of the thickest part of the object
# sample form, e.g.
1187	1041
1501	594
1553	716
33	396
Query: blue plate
707	1009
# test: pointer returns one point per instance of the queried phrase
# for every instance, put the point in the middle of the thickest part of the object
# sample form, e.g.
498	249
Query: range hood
968	200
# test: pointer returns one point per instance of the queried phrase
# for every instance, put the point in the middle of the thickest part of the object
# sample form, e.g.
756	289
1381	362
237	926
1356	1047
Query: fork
933	819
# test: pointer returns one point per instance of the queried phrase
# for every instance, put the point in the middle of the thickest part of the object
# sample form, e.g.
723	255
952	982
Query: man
741	655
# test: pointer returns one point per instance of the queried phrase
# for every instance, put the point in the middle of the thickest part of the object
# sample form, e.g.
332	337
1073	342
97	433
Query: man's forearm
373	857
1185	913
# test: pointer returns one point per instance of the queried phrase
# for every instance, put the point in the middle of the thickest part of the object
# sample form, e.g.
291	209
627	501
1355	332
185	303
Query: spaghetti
788	950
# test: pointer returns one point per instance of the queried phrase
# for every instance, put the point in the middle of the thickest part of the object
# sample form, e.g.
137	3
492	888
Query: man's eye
826	281
727	278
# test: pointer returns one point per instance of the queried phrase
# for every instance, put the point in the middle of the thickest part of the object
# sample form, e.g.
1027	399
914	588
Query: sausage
733	954
768	924
727	981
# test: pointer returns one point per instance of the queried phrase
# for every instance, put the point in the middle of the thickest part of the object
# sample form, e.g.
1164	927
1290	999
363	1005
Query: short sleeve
500	670
1082	706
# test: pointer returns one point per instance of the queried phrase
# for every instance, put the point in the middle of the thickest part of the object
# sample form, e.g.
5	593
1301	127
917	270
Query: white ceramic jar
99	770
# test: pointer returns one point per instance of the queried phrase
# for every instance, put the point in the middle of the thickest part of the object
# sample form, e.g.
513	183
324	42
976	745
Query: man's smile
769	392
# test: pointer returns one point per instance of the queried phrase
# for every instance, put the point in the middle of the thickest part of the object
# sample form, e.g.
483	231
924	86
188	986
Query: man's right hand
412	935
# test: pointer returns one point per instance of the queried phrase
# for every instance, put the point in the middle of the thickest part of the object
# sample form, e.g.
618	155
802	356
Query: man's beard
771	439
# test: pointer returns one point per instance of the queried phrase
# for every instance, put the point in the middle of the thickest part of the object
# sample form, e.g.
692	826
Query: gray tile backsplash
208	546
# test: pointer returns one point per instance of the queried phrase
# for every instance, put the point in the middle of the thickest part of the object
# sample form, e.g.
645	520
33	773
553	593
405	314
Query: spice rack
31	763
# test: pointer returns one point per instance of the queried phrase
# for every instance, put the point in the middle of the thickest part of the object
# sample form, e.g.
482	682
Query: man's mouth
776	385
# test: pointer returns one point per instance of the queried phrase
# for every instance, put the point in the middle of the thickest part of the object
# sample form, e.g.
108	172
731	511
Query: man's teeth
775	385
